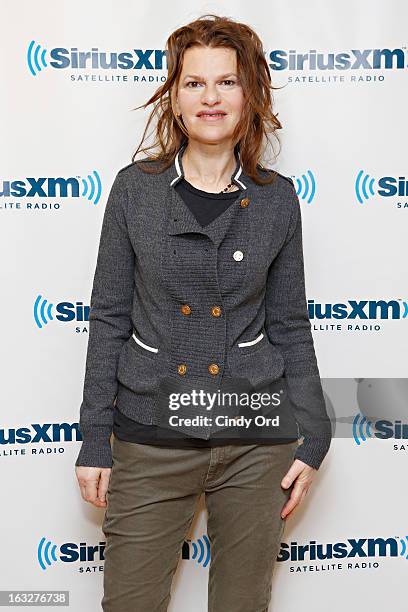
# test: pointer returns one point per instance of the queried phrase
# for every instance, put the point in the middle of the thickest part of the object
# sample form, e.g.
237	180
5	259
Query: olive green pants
151	502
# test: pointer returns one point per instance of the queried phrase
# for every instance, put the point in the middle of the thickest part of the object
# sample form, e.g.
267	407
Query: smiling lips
211	116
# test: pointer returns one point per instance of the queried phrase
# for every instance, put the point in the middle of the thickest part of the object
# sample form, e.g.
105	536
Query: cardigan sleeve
288	327
110	325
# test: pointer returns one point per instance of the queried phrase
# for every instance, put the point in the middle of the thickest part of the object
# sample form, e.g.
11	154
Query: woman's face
209	83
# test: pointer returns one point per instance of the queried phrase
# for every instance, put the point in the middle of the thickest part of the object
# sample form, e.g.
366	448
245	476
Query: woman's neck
207	170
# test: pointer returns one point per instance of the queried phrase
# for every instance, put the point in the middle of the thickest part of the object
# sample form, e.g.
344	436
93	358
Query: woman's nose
210	94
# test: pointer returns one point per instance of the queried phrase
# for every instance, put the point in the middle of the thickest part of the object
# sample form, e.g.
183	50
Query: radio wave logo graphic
305	186
92	187
364	186
361	429
42	311
201	550
404	547
44	553
36	58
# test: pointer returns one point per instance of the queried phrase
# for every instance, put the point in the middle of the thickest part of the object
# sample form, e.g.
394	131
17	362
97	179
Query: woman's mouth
212	116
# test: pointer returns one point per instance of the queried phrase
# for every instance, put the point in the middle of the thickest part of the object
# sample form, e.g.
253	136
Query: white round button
238	255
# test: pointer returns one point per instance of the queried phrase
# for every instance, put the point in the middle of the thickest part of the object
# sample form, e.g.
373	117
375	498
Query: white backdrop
343	142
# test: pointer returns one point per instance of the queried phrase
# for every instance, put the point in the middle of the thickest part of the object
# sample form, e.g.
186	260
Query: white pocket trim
251	342
145	346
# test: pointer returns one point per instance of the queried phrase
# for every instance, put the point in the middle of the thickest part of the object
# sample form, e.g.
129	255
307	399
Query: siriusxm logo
363	309
201	550
305	186
354	59
70	552
382	429
89	187
387	186
39	58
351	548
41	432
64	311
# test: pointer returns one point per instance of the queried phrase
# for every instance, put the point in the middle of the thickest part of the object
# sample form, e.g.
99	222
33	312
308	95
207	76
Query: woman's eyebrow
199	77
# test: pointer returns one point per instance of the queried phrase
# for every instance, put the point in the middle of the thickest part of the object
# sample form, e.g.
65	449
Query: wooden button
244	202
185	309
213	368
182	368
216	311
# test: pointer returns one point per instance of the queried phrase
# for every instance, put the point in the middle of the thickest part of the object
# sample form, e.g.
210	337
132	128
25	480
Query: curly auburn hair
257	121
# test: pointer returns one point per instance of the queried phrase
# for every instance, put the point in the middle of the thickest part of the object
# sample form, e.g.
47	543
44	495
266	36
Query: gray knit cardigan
177	306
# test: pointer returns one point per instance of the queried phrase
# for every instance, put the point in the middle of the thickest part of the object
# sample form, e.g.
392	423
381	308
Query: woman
199	286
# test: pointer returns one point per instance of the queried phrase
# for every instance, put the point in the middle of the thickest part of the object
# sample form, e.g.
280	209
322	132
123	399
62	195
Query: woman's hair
258	120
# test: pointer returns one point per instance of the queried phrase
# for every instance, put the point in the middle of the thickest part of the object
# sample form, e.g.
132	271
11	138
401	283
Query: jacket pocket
258	362
251	342
139	368
139	345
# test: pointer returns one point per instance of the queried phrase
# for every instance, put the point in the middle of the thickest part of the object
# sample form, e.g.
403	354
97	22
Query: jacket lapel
181	220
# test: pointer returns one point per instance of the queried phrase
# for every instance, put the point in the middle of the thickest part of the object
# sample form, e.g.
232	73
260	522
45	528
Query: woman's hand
93	482
304	475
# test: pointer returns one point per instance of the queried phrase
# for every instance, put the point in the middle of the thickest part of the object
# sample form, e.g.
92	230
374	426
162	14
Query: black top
206	207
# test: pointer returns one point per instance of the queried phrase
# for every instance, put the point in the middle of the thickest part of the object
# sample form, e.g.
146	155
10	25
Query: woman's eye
196	82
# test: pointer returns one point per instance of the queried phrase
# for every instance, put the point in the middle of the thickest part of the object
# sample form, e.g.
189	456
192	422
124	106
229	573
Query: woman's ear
174	104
